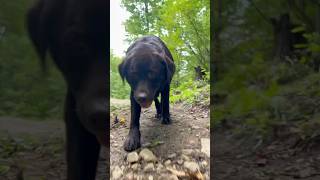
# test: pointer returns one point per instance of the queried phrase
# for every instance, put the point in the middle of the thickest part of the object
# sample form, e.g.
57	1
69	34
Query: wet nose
142	97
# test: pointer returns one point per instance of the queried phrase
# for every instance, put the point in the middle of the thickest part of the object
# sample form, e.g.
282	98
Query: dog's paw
158	116
166	120
133	141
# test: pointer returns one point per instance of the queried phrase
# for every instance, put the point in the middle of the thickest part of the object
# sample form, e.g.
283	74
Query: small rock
116	173
139	177
205	146
134	166
132	157
122	167
195	127
206	176
180	161
204	163
160	166
185	158
168	177
187	152
191	166
149	167
150	177
147	155
129	176
192	142
173	155
167	162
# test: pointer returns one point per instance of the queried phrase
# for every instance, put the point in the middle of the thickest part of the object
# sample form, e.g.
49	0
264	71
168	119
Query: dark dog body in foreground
148	67
74	32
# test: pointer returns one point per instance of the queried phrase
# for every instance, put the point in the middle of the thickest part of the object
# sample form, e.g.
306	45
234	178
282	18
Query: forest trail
243	158
35	150
174	145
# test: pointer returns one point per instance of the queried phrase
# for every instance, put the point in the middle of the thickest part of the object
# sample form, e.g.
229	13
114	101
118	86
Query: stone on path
205	146
168	177
187	152
173	155
191	166
149	167
132	157
147	155
167	162
116	173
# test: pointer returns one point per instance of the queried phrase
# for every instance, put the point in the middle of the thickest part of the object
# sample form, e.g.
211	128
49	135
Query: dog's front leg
133	139
165	105
82	146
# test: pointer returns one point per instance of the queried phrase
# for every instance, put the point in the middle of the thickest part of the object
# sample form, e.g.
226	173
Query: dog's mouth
145	104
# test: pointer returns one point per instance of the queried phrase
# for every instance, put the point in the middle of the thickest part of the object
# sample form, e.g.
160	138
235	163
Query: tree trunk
146	11
283	37
217	42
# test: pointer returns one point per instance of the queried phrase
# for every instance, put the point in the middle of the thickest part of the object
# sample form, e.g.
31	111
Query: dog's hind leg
158	106
165	116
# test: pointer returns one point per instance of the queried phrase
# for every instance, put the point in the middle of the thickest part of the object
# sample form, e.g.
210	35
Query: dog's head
80	54
147	72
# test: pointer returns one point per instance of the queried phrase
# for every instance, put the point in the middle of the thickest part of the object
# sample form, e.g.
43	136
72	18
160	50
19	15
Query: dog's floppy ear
123	69
37	29
170	68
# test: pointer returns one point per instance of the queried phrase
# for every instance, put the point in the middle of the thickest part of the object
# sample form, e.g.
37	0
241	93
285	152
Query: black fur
74	33
148	68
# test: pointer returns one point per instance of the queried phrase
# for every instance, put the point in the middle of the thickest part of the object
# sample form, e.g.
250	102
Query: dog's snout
142	97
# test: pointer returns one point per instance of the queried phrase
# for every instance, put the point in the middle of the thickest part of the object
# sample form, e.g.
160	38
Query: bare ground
34	150
189	125
248	158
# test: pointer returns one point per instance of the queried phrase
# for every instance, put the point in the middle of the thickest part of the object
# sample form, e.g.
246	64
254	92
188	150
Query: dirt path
244	158
174	145
35	150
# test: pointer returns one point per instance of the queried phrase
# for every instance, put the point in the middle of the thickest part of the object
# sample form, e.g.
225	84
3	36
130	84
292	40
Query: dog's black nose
142	97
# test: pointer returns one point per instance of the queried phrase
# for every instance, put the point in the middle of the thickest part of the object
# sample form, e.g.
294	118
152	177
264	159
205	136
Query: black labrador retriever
74	33
148	68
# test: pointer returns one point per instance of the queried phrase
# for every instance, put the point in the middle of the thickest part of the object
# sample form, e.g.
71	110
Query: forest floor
179	150
248	158
34	150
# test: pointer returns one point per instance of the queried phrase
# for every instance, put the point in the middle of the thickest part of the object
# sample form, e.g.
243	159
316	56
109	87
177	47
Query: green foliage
144	15
192	92
184	26
261	92
24	90
118	88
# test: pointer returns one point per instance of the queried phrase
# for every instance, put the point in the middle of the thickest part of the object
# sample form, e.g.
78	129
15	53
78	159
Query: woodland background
266	67
184	25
